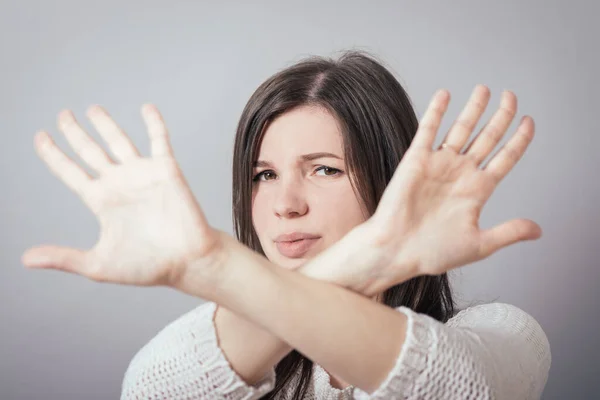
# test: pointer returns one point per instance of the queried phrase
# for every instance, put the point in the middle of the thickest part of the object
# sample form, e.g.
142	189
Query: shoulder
495	324
508	322
501	344
494	315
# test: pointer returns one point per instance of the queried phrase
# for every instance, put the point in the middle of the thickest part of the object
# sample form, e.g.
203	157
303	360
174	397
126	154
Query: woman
357	245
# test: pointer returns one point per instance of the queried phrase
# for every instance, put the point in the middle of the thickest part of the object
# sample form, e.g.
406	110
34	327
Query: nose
290	201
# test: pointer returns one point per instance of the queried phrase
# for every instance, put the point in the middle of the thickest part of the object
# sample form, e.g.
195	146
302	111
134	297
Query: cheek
259	219
342	212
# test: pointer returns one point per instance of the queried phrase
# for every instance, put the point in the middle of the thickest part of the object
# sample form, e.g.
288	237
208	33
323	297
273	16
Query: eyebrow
304	158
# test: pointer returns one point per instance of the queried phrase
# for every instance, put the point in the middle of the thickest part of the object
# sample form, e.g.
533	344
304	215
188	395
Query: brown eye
261	174
268	173
328	170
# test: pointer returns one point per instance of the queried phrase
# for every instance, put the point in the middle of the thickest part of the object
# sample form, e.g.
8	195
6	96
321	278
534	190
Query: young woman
335	285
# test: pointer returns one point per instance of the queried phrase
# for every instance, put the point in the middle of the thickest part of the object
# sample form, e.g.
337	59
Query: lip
295	244
296	248
291	237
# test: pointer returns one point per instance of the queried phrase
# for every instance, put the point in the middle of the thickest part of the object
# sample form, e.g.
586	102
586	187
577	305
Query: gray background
63	336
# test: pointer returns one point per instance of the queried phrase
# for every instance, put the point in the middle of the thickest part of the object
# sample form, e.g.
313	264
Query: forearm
334	327
253	351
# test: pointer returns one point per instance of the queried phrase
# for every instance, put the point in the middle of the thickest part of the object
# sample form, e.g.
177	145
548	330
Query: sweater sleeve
184	361
490	351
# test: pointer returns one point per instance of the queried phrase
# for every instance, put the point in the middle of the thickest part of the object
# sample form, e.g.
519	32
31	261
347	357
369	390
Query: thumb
508	233
54	257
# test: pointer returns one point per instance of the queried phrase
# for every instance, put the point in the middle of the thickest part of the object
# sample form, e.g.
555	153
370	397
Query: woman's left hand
427	221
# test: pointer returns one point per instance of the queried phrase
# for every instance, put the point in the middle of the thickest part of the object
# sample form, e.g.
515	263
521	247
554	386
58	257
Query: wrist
359	263
348	262
202	274
229	275
328	266
396	260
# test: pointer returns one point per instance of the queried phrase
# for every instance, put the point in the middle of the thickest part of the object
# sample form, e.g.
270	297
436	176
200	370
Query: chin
288	263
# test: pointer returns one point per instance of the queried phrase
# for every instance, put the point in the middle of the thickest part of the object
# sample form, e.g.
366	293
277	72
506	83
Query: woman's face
301	187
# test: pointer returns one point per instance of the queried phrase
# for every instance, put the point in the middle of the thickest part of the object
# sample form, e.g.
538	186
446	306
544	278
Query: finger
430	123
506	234
55	257
65	259
60	164
157	130
512	151
82	143
459	133
494	130
118	142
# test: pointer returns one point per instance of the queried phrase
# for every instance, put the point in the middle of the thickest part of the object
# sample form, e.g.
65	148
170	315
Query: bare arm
285	303
238	364
253	351
250	350
154	232
430	190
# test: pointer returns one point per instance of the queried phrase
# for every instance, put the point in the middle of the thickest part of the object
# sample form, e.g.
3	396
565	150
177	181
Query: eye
333	171
257	177
329	171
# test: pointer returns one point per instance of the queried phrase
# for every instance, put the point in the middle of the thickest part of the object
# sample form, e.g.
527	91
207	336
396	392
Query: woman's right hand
427	221
151	226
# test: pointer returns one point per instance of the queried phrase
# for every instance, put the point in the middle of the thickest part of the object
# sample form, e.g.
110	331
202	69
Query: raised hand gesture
427	221
151	226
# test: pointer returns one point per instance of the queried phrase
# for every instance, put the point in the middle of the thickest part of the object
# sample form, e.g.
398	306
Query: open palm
428	216
150	222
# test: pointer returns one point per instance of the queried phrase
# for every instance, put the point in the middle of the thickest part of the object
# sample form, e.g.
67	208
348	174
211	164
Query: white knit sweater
491	351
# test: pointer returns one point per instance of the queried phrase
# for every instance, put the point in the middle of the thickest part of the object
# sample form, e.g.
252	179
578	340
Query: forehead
302	130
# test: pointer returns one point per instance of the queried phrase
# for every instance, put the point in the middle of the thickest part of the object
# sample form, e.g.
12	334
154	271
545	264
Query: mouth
296	248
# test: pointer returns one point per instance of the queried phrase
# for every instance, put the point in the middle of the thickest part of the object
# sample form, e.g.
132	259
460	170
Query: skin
153	232
292	194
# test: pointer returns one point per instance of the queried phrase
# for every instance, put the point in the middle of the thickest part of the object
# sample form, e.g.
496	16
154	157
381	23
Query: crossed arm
152	226
267	310
490	351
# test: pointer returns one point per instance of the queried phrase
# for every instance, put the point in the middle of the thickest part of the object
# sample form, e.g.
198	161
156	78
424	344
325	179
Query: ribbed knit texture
491	351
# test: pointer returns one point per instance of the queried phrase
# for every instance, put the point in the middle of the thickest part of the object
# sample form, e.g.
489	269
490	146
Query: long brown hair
378	123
